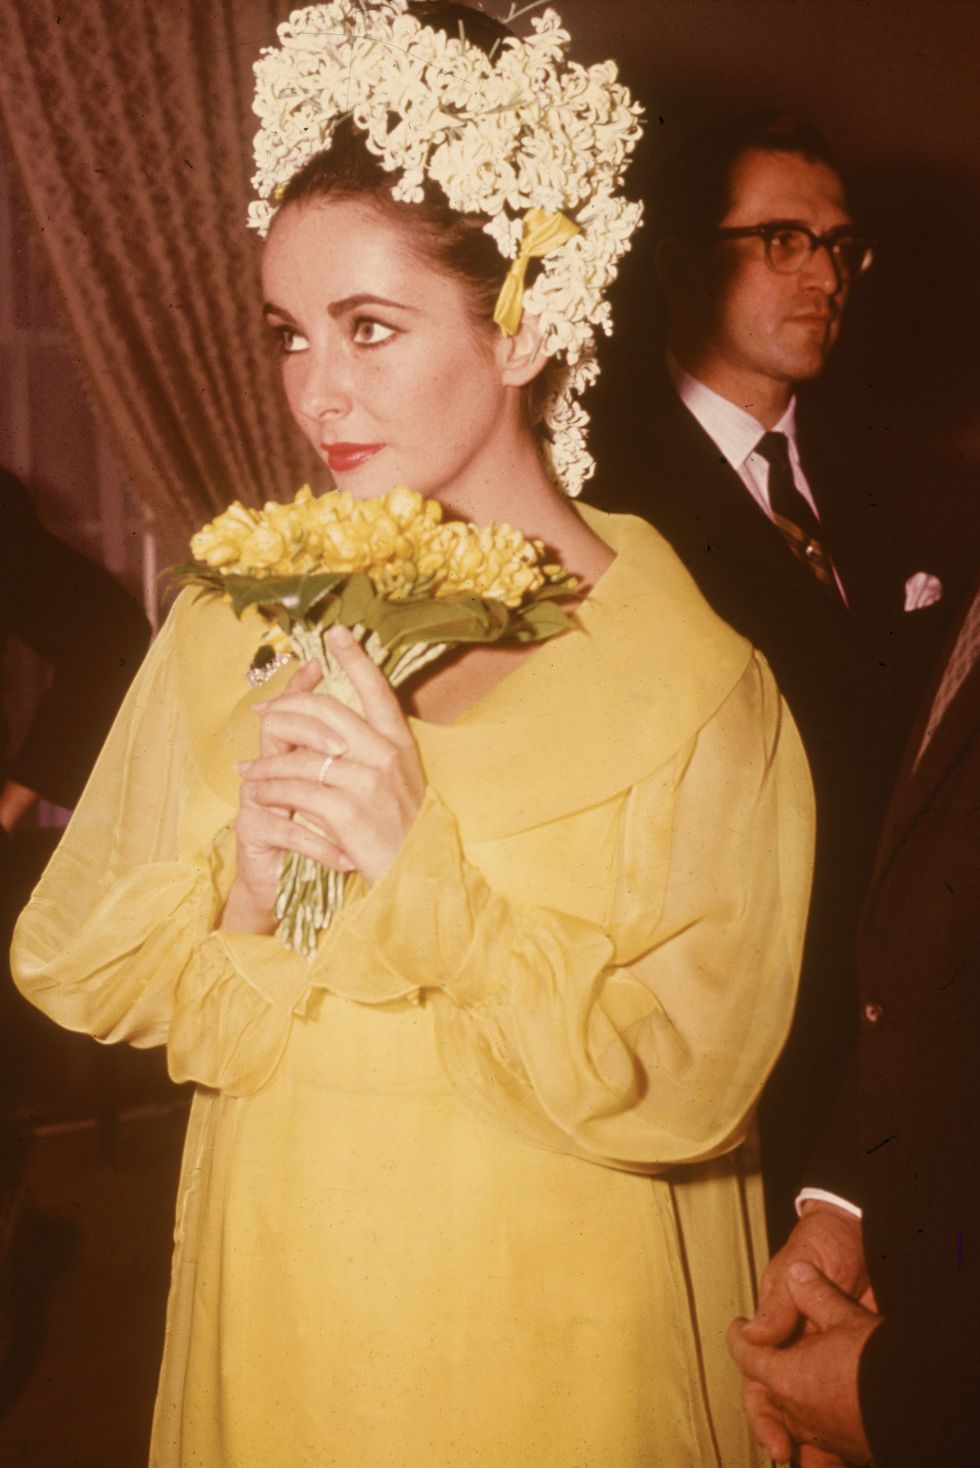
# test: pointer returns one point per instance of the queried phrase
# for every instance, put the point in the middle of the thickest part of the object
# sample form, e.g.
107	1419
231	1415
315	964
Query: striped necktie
791	514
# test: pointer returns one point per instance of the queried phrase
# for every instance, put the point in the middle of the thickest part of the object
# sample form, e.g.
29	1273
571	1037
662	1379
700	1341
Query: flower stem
310	896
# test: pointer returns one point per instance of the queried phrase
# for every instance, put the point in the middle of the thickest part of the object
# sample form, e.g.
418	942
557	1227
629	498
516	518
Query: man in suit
884	1266
72	614
92	634
756	254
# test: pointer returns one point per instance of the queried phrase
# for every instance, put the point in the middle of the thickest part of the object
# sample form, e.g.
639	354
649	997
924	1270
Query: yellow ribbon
543	233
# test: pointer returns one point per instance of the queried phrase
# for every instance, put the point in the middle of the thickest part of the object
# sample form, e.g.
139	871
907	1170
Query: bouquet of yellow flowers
409	585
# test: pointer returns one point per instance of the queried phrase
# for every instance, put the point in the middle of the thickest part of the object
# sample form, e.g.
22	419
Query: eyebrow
340	308
350	303
849	228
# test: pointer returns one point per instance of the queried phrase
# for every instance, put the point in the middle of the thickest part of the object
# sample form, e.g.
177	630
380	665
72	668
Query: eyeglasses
789	247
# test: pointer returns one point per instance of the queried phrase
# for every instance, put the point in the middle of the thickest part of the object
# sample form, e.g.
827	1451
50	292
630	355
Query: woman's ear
521	356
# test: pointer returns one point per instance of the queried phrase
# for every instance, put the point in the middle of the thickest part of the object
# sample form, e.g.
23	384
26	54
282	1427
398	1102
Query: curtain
130	125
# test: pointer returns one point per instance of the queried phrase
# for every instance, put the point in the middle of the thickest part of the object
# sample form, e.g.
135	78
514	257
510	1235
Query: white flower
506	231
525	129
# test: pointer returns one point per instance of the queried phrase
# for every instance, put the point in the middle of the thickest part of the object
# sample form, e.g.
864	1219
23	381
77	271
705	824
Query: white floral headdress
537	142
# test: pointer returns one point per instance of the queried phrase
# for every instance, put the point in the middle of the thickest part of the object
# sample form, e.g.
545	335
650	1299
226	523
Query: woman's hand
263	833
357	780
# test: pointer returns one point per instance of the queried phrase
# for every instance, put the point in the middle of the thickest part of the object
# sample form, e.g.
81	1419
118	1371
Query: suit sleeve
919	1382
76	618
837	1164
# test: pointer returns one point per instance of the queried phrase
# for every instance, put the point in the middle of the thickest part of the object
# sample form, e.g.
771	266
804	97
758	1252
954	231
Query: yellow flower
264	550
400	540
219	544
405	505
382	535
342	550
336	505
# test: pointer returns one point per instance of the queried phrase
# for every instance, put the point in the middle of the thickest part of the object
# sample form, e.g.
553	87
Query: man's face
759	328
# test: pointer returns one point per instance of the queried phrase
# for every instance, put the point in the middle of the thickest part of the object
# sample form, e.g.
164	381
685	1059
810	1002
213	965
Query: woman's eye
291	341
370	333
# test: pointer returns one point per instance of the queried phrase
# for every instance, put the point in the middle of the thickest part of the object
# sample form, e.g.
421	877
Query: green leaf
445	619
495	619
356	600
541	620
462	619
556	590
296	594
327	613
193	573
320	599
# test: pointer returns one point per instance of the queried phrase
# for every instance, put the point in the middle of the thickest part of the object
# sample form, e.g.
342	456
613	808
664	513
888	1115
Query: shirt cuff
819	1195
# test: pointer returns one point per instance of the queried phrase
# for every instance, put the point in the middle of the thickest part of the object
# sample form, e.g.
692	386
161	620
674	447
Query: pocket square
922	590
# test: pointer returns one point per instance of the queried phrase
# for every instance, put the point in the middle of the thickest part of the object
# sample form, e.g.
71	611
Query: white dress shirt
735	433
820	1195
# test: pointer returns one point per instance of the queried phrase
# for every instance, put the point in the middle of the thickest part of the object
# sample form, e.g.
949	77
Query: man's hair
692	189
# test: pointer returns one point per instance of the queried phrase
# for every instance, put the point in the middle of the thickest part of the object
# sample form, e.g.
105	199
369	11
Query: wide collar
644	666
596	709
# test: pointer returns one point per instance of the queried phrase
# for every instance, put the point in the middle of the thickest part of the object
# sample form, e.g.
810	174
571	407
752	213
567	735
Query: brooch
265	663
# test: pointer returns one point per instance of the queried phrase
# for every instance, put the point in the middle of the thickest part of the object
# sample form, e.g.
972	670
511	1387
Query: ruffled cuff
233	1008
235	1000
431	922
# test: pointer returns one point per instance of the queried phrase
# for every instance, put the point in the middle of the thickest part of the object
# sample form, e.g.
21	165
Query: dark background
893	85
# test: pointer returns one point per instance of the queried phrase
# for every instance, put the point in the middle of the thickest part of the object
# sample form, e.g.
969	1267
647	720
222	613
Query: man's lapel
739	527
920	776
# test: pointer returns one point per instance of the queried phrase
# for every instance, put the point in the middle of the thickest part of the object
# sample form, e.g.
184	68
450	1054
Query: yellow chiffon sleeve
118	938
632	1021
643	1041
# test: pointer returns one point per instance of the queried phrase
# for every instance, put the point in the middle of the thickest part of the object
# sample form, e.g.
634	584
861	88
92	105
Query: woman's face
386	372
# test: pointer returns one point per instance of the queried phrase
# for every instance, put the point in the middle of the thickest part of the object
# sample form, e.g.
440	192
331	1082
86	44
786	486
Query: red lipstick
342	457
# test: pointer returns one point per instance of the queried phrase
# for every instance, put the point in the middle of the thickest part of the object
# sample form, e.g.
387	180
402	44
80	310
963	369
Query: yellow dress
472	1190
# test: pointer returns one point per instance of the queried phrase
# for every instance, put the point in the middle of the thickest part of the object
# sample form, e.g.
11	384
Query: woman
469	1188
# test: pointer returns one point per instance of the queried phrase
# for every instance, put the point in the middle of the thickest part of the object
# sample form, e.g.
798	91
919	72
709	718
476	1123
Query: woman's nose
323	392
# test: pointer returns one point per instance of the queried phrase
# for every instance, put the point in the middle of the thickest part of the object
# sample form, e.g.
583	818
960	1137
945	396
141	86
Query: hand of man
811	1385
829	1238
15	801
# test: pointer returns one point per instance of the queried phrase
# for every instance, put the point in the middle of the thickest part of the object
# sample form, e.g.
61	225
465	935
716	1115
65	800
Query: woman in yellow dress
475	1187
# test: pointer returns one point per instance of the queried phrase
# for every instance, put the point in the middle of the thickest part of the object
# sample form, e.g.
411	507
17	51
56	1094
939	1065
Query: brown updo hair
348	171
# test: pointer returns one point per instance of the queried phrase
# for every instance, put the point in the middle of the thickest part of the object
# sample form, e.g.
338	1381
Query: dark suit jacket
76	618
904	1142
835	666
